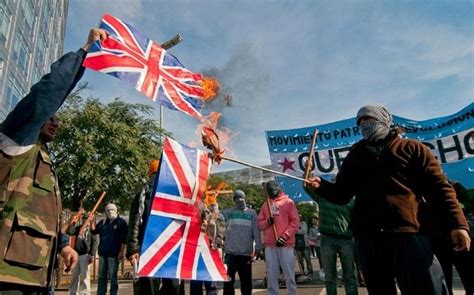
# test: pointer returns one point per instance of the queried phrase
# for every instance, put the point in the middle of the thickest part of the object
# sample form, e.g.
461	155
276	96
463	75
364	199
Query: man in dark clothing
30	209
442	245
113	233
139	213
389	175
85	245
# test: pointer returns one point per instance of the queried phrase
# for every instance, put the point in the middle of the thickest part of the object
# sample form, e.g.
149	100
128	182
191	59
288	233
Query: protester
279	221
315	236
302	248
85	245
389	175
439	236
336	240
139	213
240	235
34	202
213	223
112	232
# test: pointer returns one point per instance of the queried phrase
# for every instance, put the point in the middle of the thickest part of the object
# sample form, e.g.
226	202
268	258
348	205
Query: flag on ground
137	60
173	245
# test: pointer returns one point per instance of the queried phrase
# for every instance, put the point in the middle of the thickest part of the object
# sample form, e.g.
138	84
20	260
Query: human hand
271	220
260	255
313	182
134	257
94	35
461	240
70	257
281	241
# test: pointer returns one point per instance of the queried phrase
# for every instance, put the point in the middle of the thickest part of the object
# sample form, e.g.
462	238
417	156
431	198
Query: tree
103	148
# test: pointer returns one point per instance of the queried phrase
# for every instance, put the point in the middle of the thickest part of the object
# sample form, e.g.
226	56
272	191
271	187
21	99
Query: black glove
281	241
260	255
270	220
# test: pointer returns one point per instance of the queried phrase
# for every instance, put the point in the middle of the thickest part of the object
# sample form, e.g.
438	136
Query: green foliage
307	209
103	148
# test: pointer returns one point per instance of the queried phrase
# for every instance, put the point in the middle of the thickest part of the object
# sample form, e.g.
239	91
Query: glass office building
31	38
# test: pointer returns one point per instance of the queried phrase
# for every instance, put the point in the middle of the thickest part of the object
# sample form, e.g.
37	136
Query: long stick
261	168
270	211
311	152
85	224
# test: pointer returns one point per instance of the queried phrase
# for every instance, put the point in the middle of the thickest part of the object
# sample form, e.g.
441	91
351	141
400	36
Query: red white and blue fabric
173	245
141	62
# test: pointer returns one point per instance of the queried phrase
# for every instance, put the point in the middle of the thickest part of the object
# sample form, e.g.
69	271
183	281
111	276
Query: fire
210	86
215	139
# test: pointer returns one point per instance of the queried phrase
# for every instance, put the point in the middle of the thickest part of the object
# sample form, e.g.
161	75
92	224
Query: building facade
31	38
247	175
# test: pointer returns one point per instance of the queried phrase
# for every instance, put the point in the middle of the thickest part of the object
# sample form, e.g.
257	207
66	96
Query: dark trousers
242	265
463	261
145	285
196	287
404	257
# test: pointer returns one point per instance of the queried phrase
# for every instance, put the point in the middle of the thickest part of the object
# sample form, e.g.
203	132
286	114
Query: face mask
240	204
111	214
373	131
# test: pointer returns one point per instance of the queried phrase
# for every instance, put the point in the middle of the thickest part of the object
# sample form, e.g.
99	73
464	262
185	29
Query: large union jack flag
137	60
173	245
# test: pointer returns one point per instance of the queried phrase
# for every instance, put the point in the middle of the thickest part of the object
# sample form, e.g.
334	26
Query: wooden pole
311	153
262	168
270	212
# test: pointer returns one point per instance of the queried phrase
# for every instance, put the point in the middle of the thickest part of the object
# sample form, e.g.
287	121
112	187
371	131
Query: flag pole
262	168
167	45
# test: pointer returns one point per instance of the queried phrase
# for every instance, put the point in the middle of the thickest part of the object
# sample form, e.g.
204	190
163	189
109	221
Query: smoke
243	82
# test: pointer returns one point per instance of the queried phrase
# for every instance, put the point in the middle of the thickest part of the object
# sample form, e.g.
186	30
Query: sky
299	63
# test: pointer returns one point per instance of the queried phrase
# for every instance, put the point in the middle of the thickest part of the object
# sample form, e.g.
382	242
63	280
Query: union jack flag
173	245
137	60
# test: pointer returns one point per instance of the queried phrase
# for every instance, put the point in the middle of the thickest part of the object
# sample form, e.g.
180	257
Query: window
29	14
41	49
45	17
13	94
4	22
21	54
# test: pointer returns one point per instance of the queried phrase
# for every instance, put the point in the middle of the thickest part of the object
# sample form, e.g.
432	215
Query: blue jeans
330	248
108	267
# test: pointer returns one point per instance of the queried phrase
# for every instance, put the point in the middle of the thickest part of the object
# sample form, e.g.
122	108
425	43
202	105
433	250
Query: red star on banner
287	164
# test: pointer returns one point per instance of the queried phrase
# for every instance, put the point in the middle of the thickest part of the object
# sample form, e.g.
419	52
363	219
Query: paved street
314	287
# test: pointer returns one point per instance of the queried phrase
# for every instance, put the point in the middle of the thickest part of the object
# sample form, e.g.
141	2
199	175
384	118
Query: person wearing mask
389	175
30	210
85	245
279	221
240	235
112	232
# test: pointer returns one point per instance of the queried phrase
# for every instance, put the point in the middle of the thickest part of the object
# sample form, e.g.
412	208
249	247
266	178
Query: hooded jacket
286	219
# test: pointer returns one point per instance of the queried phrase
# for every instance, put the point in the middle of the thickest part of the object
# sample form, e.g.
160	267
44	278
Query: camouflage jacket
30	204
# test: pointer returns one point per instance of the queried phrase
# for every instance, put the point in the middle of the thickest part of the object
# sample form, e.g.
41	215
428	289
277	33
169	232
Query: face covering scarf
373	131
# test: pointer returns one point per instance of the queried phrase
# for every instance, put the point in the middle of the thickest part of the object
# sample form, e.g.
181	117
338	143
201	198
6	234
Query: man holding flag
30	210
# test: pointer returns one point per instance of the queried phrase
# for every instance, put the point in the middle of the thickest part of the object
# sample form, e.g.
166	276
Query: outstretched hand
95	34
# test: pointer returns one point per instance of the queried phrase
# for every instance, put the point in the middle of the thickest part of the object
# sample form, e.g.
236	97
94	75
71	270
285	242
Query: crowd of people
390	215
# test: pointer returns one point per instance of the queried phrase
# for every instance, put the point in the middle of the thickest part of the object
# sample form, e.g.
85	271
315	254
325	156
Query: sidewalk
313	287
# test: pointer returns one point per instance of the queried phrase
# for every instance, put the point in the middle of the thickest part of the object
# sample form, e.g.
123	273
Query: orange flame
216	139
210	86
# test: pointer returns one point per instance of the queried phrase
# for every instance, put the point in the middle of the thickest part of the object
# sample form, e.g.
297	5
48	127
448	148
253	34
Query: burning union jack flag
173	245
137	60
